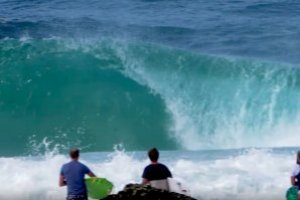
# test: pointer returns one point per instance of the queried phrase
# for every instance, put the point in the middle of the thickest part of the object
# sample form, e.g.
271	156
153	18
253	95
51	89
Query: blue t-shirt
156	172
74	173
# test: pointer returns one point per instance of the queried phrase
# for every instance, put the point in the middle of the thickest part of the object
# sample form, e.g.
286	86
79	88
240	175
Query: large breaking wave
95	94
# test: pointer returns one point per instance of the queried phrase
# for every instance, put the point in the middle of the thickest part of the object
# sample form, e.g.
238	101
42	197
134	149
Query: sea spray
213	174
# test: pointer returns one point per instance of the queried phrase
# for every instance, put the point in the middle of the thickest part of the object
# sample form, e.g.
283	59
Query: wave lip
217	101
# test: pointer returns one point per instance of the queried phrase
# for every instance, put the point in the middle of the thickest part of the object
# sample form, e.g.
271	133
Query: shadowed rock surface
145	192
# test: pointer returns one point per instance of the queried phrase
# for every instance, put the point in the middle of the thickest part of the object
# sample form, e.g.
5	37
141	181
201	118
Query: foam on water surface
222	174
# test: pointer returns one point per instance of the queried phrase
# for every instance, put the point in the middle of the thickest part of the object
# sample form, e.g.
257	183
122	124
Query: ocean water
213	84
236	174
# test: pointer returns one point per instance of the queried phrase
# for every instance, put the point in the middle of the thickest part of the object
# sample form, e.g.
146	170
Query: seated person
156	174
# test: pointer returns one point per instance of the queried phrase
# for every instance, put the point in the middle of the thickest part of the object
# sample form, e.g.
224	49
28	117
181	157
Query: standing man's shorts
77	197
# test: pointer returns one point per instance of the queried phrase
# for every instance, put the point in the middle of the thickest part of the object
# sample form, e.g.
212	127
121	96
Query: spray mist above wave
197	101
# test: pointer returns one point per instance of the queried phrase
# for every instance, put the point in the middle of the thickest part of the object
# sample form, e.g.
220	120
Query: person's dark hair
298	157
74	153
153	154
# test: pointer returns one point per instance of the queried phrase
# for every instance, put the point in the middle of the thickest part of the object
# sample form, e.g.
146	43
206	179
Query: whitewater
213	85
211	174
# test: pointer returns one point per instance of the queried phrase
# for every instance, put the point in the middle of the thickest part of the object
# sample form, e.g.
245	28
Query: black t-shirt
156	172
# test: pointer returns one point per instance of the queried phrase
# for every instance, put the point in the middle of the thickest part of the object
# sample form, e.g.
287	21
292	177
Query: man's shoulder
148	167
83	165
74	163
65	167
155	166
66	164
162	165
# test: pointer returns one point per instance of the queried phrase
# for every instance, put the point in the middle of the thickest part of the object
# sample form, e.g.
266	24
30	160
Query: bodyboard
292	193
176	186
98	188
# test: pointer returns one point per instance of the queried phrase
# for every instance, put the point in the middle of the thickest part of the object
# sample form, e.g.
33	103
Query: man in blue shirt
72	175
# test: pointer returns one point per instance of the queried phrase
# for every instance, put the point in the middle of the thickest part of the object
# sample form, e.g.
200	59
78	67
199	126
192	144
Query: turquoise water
213	84
101	93
179	75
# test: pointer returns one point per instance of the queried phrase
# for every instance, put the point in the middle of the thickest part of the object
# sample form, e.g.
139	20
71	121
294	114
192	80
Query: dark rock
146	192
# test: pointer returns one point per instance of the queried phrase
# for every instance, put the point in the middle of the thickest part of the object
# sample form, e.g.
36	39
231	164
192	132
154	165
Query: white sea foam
251	174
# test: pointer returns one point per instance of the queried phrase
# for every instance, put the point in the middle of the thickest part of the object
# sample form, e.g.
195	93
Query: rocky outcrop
146	192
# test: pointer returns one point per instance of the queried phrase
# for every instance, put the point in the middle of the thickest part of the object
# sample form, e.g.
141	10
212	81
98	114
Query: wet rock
146	192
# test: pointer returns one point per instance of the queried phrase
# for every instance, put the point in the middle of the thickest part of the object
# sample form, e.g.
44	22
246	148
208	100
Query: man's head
74	153
153	154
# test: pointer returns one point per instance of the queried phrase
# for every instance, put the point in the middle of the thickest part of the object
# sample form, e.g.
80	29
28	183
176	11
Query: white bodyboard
176	186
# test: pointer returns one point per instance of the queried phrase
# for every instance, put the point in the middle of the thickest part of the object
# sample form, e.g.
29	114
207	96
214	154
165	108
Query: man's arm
145	176
145	181
62	181
88	172
169	173
91	174
293	181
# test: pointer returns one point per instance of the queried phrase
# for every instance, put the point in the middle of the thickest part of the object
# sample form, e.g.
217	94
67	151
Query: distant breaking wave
95	94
